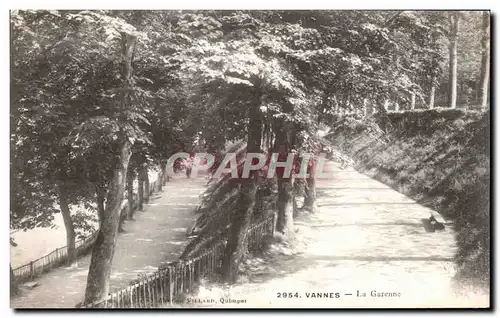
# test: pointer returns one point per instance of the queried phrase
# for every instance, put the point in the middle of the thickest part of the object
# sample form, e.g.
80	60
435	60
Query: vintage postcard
249	159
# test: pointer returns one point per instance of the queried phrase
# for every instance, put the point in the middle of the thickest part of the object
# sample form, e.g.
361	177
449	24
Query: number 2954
288	295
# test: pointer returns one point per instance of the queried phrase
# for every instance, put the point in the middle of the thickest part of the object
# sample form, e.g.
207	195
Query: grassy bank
440	158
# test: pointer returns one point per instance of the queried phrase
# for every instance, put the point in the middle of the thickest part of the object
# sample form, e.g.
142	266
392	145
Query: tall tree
43	115
454	18
140	186
130	190
282	146
121	131
248	71
245	202
485	59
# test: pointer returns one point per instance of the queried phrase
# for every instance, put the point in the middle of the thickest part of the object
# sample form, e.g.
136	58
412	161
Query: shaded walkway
364	237
157	235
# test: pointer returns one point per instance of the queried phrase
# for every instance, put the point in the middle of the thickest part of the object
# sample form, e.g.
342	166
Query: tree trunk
485	60
146	185
14	286
432	94
130	193
310	189
336	107
164	173
240	220
140	190
269	136
413	100
123	217
104	247
452	76
159	182
294	201
284	222
68	223
265	133
101	196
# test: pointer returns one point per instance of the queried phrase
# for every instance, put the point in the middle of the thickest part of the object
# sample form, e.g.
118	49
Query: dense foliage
99	96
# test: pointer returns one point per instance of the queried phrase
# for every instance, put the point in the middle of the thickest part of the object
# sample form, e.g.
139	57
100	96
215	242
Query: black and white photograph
250	159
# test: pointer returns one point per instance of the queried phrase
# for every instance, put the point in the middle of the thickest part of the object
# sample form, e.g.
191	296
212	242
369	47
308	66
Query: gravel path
157	235
366	238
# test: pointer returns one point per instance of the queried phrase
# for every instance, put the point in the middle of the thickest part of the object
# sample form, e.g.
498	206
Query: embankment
440	158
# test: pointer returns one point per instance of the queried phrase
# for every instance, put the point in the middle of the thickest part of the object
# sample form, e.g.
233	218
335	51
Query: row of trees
454	73
468	63
99	96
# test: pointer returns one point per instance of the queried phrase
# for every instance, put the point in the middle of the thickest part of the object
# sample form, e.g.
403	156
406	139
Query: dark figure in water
188	172
437	226
431	224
